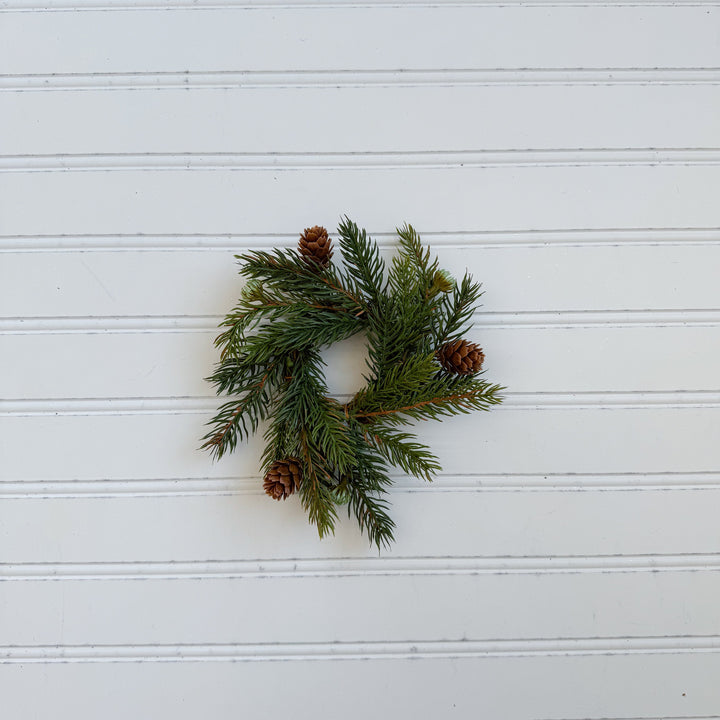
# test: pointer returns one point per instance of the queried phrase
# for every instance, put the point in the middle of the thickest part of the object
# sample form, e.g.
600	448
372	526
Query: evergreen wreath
419	367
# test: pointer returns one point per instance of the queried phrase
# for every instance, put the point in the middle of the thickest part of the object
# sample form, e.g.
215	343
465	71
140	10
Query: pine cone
315	246
461	357
282	479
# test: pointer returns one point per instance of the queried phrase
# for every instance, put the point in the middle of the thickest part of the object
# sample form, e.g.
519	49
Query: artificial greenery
292	306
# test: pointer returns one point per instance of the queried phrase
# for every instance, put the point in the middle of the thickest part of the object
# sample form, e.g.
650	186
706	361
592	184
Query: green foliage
271	367
364	267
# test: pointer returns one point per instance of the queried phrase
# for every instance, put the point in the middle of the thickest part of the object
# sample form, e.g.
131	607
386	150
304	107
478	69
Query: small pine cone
461	357
315	246
282	479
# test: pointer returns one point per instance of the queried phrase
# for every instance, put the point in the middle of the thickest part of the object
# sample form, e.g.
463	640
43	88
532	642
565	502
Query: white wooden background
566	564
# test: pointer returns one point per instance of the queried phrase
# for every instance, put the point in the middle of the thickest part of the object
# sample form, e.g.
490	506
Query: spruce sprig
271	366
401	449
364	267
366	483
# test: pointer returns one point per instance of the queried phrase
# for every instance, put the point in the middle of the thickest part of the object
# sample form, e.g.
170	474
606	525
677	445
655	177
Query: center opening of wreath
346	366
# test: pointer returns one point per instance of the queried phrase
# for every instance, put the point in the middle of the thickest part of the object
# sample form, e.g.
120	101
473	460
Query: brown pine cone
282	479
315	246
461	357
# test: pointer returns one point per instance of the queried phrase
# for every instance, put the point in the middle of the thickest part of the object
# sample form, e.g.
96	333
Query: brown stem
423	403
218	438
342	290
338	288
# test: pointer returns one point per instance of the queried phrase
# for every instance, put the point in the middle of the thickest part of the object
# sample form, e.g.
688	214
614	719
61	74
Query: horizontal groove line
467	239
592	318
110	325
443	482
439	159
359	651
134	5
512	401
359	78
481	321
355	567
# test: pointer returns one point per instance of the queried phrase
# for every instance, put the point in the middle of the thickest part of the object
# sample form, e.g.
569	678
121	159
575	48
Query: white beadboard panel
656	686
612	277
359	119
616	194
359	37
600	438
425	607
432	524
121	283
564	563
525	359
